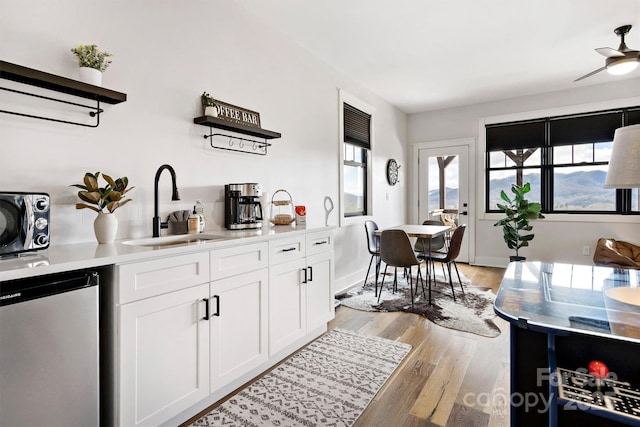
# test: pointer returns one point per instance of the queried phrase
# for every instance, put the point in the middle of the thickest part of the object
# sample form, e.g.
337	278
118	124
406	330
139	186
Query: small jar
193	223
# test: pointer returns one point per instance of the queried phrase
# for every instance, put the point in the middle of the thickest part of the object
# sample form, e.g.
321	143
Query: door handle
464	213
310	273
217	313
305	275
206	309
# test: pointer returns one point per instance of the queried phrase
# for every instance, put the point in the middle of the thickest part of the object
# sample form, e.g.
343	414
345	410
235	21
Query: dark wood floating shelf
60	84
235	127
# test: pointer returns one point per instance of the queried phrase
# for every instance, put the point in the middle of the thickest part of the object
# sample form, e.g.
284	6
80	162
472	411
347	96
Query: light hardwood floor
450	378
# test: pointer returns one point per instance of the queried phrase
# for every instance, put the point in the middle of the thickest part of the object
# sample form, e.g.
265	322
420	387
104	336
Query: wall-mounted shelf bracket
37	78
95	111
254	146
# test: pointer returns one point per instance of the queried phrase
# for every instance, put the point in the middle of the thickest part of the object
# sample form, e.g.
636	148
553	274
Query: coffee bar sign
238	115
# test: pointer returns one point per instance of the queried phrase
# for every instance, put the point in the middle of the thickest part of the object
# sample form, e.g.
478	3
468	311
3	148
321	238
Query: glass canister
282	212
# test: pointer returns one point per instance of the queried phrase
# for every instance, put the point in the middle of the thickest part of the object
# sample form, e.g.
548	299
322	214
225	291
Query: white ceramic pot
211	111
91	76
105	227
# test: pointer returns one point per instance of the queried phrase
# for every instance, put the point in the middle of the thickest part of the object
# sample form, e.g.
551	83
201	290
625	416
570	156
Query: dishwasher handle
26	289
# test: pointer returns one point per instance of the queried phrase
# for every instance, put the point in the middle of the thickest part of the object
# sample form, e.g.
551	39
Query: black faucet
157	223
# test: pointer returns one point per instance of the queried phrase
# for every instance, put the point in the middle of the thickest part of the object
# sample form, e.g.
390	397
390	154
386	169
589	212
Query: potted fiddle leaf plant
103	200
209	105
518	214
92	63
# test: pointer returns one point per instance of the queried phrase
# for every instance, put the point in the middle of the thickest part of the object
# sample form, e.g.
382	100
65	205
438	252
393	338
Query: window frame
345	97
482	178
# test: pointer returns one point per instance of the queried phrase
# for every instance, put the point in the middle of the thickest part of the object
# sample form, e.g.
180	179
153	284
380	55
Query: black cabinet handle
310	273
305	275
217	313
324	242
206	309
289	249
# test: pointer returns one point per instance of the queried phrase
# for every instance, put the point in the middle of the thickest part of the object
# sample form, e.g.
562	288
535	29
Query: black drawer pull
289	249
324	242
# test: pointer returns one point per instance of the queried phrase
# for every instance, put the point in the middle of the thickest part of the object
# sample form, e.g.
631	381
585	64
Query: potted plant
209	105
519	211
92	63
103	200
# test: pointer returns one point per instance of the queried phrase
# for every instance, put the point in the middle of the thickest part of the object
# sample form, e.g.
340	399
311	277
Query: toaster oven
24	222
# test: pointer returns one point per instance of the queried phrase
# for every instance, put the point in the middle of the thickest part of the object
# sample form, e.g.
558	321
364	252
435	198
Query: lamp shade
624	166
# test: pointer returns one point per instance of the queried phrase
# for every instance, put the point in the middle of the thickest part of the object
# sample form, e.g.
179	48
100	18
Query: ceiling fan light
622	66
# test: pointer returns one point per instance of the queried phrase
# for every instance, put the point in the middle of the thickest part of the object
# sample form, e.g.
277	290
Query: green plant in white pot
104	200
518	212
209	107
92	63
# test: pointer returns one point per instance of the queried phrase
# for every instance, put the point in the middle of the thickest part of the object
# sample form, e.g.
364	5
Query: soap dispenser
199	209
193	222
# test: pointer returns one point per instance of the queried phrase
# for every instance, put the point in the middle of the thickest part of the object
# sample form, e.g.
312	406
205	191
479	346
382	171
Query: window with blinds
357	145
565	159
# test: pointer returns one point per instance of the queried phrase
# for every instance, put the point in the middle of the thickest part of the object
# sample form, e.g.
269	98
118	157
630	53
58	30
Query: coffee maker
242	207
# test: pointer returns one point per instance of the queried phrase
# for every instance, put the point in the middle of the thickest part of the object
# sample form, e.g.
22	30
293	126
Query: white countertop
59	258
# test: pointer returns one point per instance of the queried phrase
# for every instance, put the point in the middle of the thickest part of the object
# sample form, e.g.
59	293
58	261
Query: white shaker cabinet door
320	305
287	304
164	354
239	319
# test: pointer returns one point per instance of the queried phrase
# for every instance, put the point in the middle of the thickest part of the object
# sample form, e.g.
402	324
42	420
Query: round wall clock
392	172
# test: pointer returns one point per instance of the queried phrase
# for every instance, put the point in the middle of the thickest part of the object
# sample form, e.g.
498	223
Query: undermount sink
183	239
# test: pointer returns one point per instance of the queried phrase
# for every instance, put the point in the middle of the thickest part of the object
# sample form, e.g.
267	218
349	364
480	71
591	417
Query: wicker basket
280	213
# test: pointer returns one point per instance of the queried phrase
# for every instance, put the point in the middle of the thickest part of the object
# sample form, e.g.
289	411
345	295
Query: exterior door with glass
443	188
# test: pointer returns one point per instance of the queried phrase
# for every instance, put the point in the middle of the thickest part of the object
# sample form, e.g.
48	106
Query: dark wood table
425	232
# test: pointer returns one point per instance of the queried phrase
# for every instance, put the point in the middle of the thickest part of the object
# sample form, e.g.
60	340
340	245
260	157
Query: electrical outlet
586	250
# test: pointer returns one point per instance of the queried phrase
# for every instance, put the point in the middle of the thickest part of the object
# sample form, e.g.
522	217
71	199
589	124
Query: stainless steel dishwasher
49	350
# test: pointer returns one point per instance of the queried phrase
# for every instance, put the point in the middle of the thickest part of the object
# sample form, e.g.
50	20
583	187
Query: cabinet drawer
282	250
159	276
321	241
239	259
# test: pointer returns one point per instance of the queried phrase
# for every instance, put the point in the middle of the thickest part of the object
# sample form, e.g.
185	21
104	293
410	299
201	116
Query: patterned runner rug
328	383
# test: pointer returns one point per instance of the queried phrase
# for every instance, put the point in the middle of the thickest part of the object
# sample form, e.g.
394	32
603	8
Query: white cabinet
287	304
164	356
320	306
238	308
189	328
300	296
159	276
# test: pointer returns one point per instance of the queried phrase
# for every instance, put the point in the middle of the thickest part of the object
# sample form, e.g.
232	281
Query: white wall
558	238
166	54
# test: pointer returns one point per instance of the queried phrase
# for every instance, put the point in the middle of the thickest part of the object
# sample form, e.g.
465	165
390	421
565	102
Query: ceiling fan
620	61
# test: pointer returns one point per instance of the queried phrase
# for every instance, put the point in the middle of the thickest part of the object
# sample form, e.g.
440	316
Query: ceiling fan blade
609	52
590	74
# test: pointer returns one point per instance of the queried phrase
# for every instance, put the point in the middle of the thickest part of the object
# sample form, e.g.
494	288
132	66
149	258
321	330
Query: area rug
472	312
328	383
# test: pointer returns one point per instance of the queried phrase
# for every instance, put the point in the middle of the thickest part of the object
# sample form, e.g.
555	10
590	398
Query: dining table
424	232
